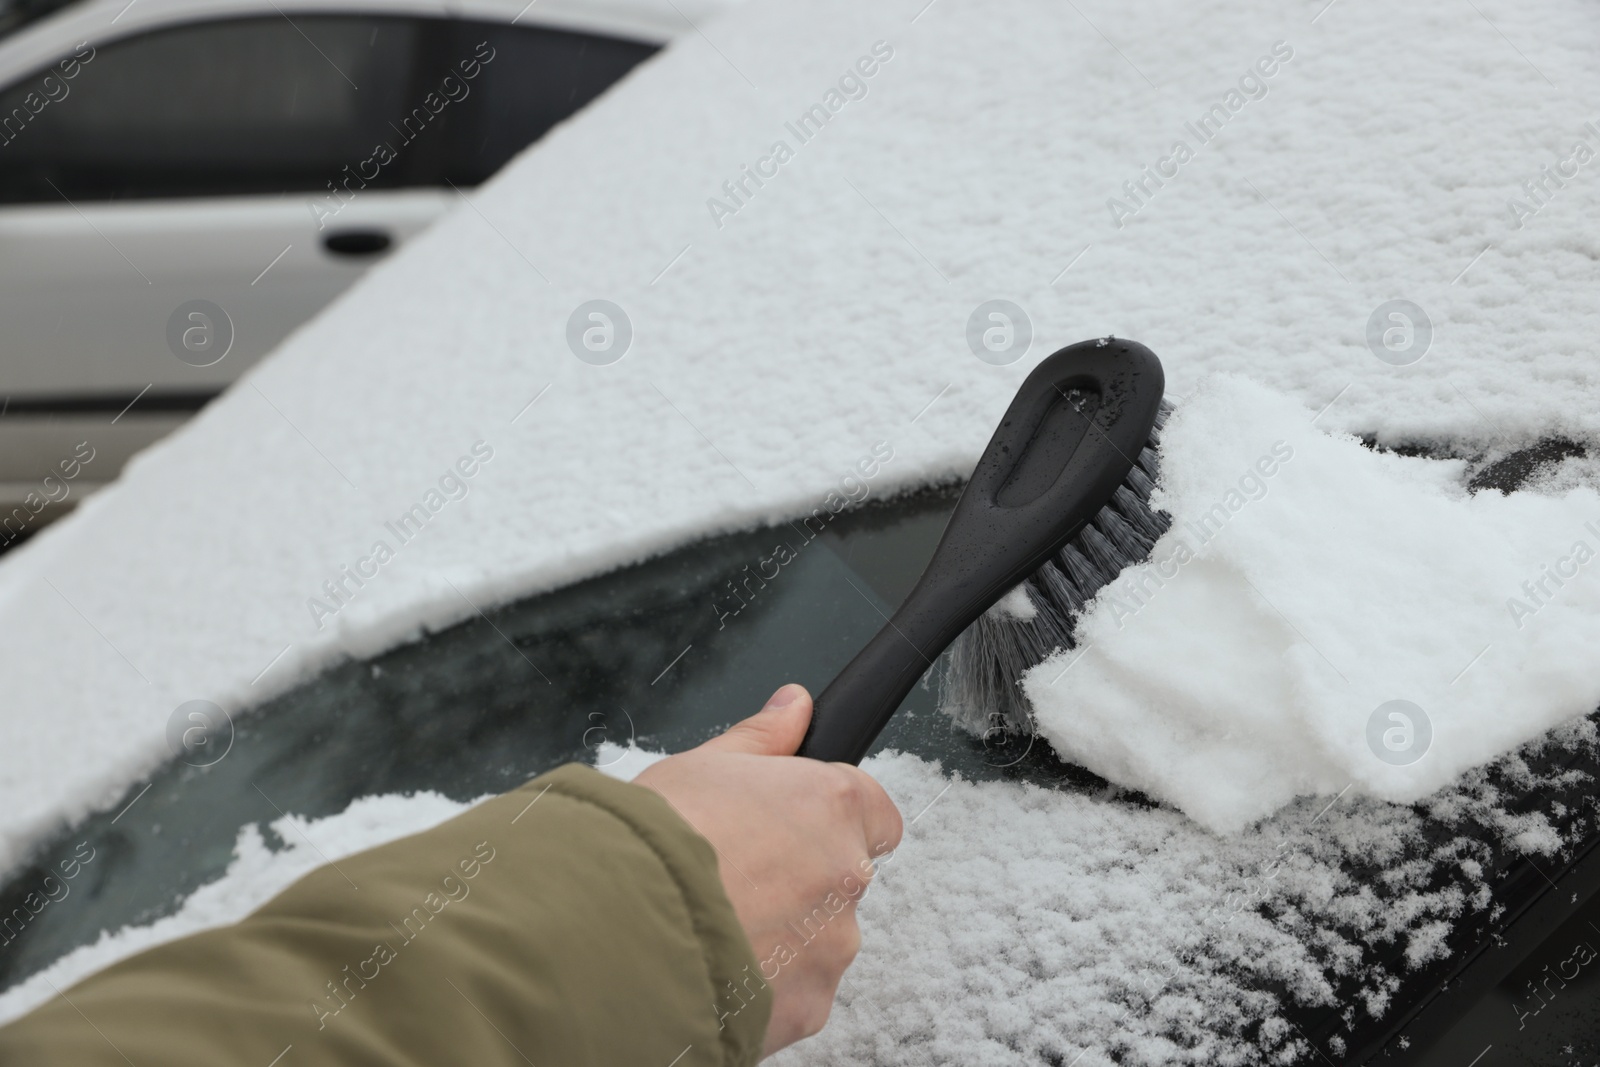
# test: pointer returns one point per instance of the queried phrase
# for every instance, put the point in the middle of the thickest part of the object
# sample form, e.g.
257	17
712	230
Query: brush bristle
982	684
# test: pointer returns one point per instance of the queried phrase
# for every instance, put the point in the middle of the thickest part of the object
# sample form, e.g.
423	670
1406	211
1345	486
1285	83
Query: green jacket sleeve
576	920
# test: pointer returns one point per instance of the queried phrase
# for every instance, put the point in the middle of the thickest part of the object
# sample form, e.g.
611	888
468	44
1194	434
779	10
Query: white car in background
183	182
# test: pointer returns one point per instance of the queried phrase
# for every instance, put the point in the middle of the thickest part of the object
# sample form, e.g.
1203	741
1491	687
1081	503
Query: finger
880	819
775	730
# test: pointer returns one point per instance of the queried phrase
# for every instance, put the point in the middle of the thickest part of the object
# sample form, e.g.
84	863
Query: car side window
527	79
248	105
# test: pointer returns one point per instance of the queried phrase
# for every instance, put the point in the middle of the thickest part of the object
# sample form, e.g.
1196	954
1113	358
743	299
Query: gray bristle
982	684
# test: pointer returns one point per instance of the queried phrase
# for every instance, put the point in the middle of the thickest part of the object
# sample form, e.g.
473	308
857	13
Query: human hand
795	841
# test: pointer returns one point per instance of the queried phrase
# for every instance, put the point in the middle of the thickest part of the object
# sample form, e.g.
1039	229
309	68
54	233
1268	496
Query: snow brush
1059	503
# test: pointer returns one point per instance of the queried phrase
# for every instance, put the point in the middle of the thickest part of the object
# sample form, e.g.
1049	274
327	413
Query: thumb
775	730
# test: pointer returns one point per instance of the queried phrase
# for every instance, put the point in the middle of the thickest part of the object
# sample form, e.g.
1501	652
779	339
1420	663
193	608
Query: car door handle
357	242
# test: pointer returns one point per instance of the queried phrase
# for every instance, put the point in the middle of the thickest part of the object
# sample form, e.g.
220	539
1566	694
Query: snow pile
1305	582
258	873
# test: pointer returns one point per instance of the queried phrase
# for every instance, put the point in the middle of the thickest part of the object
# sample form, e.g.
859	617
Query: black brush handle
1066	443
858	703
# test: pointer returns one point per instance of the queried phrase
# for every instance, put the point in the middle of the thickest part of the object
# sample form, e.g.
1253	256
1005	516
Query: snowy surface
1307	581
775	343
1021	925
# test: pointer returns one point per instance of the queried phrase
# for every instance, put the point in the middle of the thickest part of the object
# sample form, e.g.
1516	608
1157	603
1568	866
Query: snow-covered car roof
802	213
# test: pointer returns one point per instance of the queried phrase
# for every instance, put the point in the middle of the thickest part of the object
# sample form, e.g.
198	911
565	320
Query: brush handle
1065	444
858	703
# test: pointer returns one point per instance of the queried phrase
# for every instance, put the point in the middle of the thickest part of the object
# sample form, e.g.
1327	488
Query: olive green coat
576	920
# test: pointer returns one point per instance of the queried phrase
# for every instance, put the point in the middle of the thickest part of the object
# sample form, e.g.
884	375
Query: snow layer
777	337
1022	925
1306	581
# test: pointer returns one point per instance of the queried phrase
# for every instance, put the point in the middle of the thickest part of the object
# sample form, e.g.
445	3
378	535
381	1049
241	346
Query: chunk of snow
1016	604
1306	582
